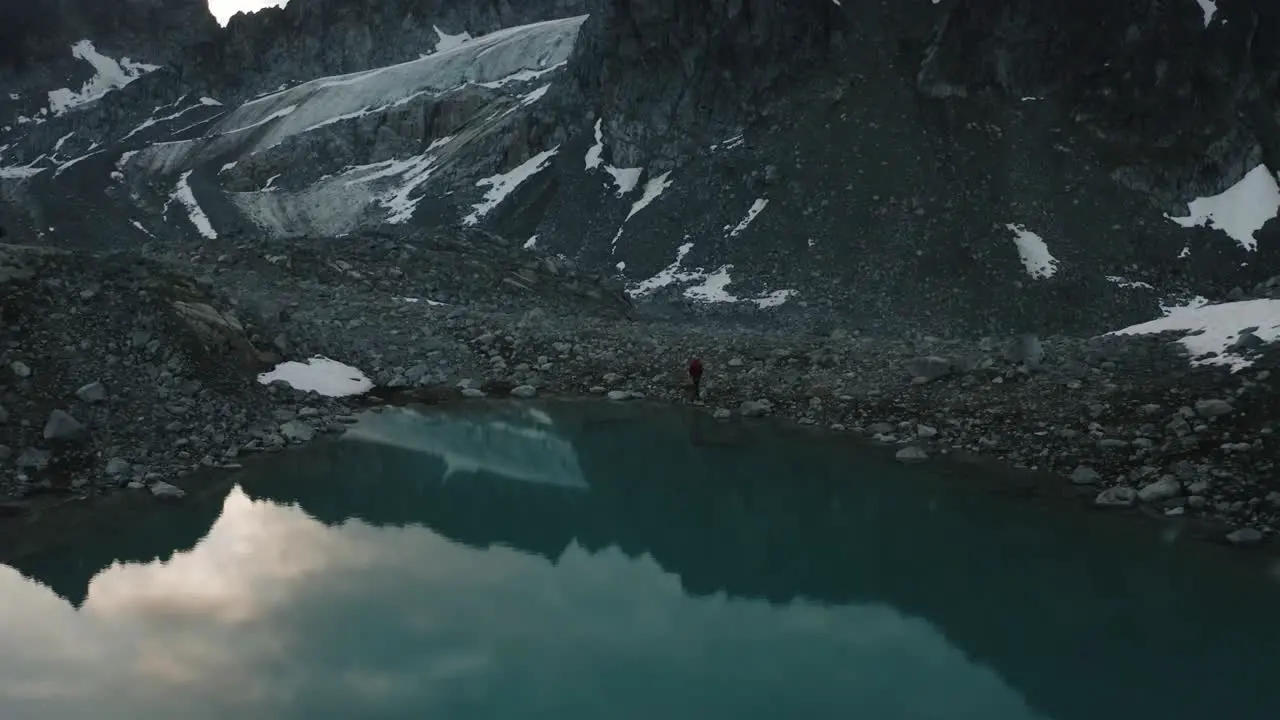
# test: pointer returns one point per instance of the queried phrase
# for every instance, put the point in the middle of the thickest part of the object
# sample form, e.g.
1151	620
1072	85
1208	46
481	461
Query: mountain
953	166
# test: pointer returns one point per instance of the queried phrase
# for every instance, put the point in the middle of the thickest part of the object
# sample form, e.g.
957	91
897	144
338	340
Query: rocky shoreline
121	371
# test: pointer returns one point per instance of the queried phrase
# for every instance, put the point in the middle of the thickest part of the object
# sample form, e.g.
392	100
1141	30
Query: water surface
587	561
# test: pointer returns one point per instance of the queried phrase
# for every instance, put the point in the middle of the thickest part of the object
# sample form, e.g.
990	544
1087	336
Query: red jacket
695	369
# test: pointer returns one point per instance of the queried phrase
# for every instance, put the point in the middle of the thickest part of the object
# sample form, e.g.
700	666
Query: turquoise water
588	562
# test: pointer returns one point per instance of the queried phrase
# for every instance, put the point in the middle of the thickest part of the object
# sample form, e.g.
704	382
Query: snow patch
320	375
278	114
138	225
1034	253
1209	8
624	179
187	198
449	42
151	121
1129	283
731	143
596	151
757	207
535	96
502	185
710	288
652	190
1214	328
75	161
531	243
111	75
1240	211
19	172
522	76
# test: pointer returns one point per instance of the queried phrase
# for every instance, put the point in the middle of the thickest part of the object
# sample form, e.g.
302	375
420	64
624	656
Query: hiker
695	374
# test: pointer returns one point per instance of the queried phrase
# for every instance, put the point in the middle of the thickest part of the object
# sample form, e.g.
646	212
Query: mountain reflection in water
588	561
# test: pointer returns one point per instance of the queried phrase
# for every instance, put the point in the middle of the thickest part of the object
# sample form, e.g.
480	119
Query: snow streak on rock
757	207
500	186
187	199
652	190
624	179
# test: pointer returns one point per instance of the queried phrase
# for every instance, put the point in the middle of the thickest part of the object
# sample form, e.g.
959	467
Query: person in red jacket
695	374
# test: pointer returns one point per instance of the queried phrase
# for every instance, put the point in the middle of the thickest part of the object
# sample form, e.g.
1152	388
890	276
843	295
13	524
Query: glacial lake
587	561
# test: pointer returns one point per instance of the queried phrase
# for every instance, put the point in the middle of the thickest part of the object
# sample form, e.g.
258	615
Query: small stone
1196	502
926	432
61	426
33	459
618	395
1244	536
20	369
165	491
94	392
722	414
297	431
929	368
1116	497
1085	475
1213	408
755	408
472	393
911	454
117	467
524	391
1163	489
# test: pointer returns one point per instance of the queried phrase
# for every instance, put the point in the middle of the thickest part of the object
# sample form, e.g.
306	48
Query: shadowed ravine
865	567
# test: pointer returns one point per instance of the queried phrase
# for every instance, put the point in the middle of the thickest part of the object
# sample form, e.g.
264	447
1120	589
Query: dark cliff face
37	33
669	74
1176	109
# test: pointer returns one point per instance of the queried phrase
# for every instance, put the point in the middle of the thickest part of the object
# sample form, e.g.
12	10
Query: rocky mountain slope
981	164
917	175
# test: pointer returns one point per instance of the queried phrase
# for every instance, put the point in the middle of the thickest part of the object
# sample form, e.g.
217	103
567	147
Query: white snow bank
187	198
110	75
502	185
1217	327
320	375
757	207
1034	253
495	59
1239	211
